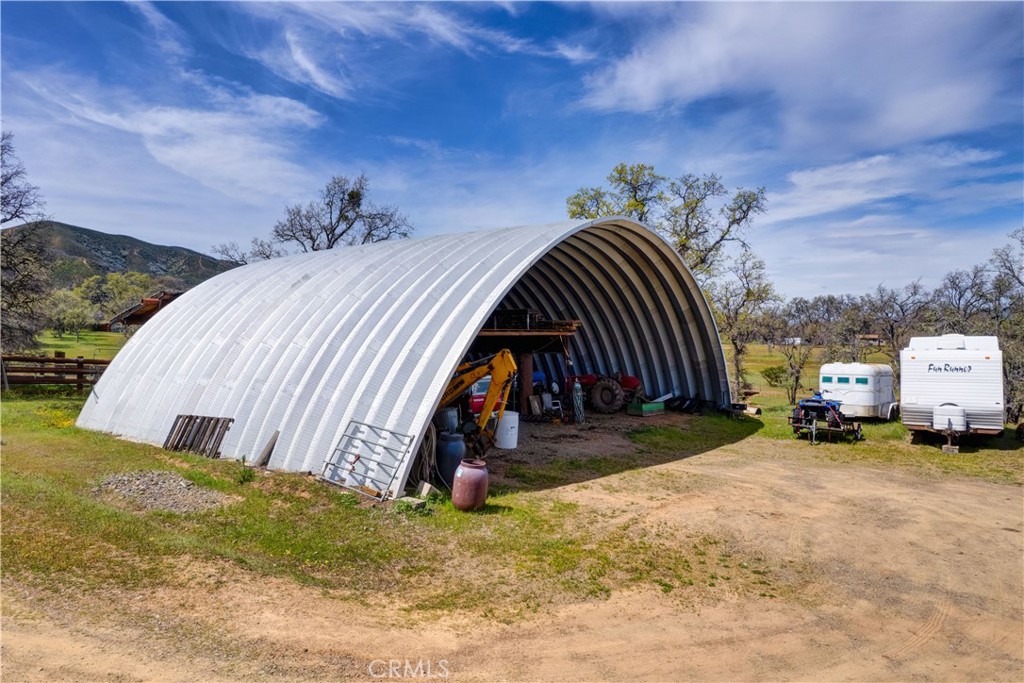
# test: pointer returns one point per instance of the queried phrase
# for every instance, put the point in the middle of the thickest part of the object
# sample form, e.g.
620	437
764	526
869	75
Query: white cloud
101	177
234	144
168	35
192	159
330	46
887	219
575	54
462	190
855	256
431	148
856	74
304	69
815	253
936	173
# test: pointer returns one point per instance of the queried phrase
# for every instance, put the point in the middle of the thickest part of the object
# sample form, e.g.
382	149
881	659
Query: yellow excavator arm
502	369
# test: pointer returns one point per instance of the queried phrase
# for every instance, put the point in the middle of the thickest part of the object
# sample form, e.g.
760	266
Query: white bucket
507	434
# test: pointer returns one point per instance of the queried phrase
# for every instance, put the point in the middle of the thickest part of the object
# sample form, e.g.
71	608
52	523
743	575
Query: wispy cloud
302	68
887	218
234	144
575	54
934	174
330	46
431	148
168	36
860	74
107	180
879	129
853	256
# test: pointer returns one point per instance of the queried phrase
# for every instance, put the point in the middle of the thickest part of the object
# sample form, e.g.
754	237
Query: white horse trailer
864	389
952	384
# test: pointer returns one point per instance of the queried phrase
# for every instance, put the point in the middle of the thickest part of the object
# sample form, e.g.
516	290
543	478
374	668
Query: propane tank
577	402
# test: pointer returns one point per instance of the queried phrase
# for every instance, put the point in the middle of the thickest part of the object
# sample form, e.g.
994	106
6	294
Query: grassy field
527	548
88	345
890	443
760	357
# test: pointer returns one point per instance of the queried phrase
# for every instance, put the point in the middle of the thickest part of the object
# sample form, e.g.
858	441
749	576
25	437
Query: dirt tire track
928	630
872	580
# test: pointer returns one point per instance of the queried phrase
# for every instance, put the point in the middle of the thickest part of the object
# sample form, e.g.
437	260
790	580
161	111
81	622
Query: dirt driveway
896	575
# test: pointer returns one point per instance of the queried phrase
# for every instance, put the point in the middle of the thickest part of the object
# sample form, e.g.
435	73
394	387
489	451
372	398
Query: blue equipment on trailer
819	414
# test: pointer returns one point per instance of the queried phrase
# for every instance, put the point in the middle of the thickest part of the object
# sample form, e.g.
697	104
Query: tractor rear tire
607	396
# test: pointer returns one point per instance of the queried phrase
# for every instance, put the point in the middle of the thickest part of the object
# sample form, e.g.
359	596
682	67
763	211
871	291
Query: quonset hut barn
315	347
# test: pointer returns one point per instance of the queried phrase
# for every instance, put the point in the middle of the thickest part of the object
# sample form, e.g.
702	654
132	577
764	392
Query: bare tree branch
341	217
19	199
25	287
264	250
1008	260
230	251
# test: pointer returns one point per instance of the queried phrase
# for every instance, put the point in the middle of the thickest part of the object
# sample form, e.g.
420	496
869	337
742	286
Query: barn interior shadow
553	455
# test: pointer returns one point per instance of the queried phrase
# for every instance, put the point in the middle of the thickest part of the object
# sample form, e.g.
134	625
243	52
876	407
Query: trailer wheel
607	396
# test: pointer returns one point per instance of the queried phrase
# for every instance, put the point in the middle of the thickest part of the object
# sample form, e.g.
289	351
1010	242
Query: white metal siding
859	400
971	377
308	343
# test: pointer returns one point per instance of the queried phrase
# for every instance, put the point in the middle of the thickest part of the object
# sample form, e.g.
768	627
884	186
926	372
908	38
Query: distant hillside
79	253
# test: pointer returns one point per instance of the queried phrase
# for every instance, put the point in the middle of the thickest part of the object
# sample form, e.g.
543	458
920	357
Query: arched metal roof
315	345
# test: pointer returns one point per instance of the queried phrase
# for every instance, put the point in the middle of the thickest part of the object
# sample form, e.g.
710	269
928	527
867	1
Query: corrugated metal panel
307	344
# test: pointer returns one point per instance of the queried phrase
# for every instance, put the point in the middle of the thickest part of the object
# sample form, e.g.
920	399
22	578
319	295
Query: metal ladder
367	459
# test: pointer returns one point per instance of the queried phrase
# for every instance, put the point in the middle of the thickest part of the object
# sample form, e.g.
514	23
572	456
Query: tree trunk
737	360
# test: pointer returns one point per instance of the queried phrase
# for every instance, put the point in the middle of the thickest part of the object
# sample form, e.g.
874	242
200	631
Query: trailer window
825	379
862	380
844	380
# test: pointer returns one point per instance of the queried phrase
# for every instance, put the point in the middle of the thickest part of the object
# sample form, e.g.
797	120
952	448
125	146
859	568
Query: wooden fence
43	370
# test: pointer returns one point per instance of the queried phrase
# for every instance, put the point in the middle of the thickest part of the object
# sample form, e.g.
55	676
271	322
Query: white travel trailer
865	389
952	384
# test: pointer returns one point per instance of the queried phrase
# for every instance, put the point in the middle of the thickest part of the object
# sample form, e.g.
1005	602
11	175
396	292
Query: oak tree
741	300
343	215
24	285
696	213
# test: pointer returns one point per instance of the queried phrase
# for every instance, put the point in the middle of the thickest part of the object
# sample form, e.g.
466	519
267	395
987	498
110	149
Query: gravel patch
161	490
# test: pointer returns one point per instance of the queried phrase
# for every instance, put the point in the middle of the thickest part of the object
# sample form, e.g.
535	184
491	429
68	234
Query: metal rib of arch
306	344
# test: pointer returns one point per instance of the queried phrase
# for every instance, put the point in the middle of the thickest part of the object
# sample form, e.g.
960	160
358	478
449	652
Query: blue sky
889	136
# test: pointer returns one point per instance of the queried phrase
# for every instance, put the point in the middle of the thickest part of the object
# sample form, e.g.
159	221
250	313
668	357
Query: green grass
560	472
703	434
998	459
760	357
889	444
526	549
89	345
657	445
